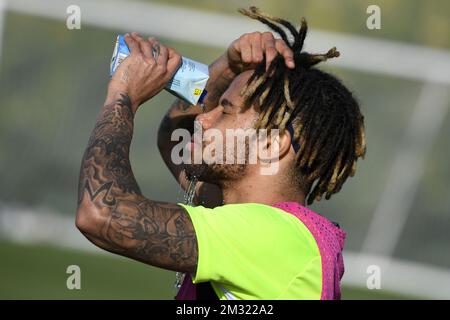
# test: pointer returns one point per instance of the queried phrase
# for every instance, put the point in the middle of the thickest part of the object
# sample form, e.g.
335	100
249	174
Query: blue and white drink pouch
188	83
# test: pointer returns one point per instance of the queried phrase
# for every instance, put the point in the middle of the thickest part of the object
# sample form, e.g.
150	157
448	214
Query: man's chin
215	173
208	173
198	171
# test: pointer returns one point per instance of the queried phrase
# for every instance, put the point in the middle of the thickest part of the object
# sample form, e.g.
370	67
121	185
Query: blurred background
53	82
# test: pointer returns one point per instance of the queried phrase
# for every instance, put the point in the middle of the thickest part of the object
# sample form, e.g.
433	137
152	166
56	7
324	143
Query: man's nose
208	119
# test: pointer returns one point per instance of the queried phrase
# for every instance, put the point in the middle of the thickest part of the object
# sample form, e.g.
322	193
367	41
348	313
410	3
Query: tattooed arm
112	212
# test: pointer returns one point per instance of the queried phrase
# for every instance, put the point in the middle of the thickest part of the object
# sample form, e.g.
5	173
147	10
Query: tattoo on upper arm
157	233
160	234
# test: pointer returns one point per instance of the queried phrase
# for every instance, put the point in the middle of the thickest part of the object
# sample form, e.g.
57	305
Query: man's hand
250	49
141	76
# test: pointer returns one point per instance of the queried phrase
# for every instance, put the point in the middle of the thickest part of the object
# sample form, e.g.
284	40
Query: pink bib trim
330	240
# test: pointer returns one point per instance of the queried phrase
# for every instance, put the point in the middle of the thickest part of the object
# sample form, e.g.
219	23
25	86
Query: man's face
220	127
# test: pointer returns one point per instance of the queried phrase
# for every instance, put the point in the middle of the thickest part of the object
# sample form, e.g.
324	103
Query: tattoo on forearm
106	164
160	234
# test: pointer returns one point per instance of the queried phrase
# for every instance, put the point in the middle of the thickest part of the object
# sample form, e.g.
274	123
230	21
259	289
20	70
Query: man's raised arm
112	212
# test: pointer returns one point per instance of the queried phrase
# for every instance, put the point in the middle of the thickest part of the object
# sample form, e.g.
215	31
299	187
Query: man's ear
284	143
274	146
279	143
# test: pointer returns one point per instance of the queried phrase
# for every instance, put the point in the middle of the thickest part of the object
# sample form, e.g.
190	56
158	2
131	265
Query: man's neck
259	189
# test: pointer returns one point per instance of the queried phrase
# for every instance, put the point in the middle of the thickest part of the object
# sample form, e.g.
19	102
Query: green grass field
39	272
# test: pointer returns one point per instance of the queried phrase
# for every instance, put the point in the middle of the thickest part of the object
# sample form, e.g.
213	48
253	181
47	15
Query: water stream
188	199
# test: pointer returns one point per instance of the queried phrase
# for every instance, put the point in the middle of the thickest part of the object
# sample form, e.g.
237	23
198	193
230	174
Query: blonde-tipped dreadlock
327	123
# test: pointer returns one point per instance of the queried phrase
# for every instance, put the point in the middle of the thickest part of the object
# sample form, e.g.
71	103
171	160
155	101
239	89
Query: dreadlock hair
325	117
